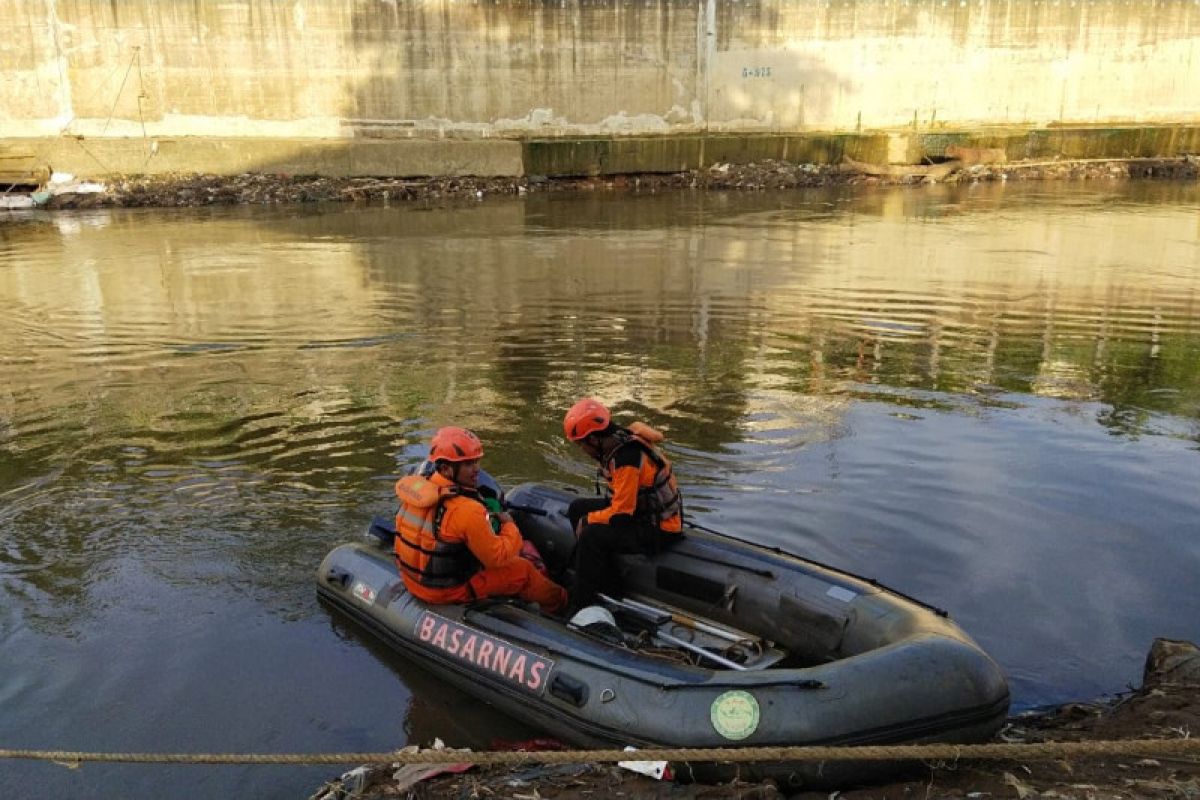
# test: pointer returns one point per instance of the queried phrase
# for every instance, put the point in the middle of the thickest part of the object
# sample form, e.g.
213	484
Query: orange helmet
586	416
455	444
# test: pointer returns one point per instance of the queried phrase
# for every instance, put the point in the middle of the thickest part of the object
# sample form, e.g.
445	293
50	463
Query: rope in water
1039	751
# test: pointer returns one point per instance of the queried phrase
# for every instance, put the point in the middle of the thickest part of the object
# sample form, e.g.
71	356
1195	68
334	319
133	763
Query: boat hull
866	665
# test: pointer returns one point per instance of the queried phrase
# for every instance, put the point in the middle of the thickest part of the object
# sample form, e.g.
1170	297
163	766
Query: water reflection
985	395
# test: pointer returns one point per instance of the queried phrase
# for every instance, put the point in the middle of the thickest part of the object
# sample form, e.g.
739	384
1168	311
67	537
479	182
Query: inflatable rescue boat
716	643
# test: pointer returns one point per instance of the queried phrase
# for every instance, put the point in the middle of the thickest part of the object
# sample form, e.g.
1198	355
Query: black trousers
597	566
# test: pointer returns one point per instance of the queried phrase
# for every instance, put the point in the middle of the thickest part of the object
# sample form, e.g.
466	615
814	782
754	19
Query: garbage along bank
30	161
1166	706
189	190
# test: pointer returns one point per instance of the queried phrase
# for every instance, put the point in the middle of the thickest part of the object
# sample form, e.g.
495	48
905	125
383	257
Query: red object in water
528	745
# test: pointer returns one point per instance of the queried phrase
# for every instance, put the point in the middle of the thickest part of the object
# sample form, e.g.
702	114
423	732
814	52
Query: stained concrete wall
850	64
290	71
332	68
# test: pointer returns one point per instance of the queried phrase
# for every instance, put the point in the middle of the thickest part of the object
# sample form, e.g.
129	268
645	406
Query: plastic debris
659	770
1023	789
412	774
80	187
11	202
355	781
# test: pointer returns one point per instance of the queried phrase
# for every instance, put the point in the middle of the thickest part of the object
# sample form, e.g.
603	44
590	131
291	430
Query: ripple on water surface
985	397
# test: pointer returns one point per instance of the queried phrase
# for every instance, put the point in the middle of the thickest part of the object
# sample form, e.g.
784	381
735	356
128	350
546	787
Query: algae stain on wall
507	68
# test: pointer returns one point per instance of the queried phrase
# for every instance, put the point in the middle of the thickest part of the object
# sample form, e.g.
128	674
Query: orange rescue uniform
463	520
632	474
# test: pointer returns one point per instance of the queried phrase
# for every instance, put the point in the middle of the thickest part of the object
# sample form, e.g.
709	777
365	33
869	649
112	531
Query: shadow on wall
510	68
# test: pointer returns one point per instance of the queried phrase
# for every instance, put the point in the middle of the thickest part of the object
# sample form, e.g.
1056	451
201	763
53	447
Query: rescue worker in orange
446	546
644	512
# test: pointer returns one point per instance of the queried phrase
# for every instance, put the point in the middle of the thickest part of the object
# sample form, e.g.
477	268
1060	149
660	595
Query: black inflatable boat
716	643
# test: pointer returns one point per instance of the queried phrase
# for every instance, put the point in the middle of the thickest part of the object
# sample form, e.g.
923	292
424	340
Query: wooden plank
19	168
935	171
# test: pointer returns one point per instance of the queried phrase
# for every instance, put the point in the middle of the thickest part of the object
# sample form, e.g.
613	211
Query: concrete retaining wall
362	72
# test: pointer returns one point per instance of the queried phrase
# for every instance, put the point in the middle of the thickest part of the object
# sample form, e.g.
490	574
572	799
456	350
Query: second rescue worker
446	547
644	513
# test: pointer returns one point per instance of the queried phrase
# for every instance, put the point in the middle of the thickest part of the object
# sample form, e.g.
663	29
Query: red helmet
586	416
455	444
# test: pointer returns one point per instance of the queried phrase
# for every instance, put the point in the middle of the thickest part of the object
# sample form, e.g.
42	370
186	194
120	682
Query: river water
987	397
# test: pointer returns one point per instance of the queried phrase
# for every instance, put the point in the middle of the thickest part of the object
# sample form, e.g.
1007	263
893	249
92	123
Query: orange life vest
421	553
658	498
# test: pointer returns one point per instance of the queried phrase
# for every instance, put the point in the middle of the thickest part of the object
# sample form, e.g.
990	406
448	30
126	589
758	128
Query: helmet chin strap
604	446
450	471
455	468
595	443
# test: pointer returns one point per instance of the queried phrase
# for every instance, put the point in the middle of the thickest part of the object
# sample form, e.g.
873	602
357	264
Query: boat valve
338	577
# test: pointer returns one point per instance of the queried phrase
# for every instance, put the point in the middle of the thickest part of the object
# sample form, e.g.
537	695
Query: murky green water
987	397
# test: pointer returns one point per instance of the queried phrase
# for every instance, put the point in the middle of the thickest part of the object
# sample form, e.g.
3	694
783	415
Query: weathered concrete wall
850	64
142	76
345	67
29	160
512	67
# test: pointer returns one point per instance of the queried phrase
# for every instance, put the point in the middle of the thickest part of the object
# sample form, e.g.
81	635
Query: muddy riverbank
1166	706
261	188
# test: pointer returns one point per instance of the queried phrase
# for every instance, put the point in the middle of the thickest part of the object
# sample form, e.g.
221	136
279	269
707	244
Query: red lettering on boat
468	649
439	638
482	651
535	674
500	659
426	629
517	673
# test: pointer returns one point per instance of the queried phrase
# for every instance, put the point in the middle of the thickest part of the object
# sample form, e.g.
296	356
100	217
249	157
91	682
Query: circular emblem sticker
735	714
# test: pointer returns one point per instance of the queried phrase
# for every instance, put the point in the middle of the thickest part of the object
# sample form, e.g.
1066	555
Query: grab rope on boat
1037	751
